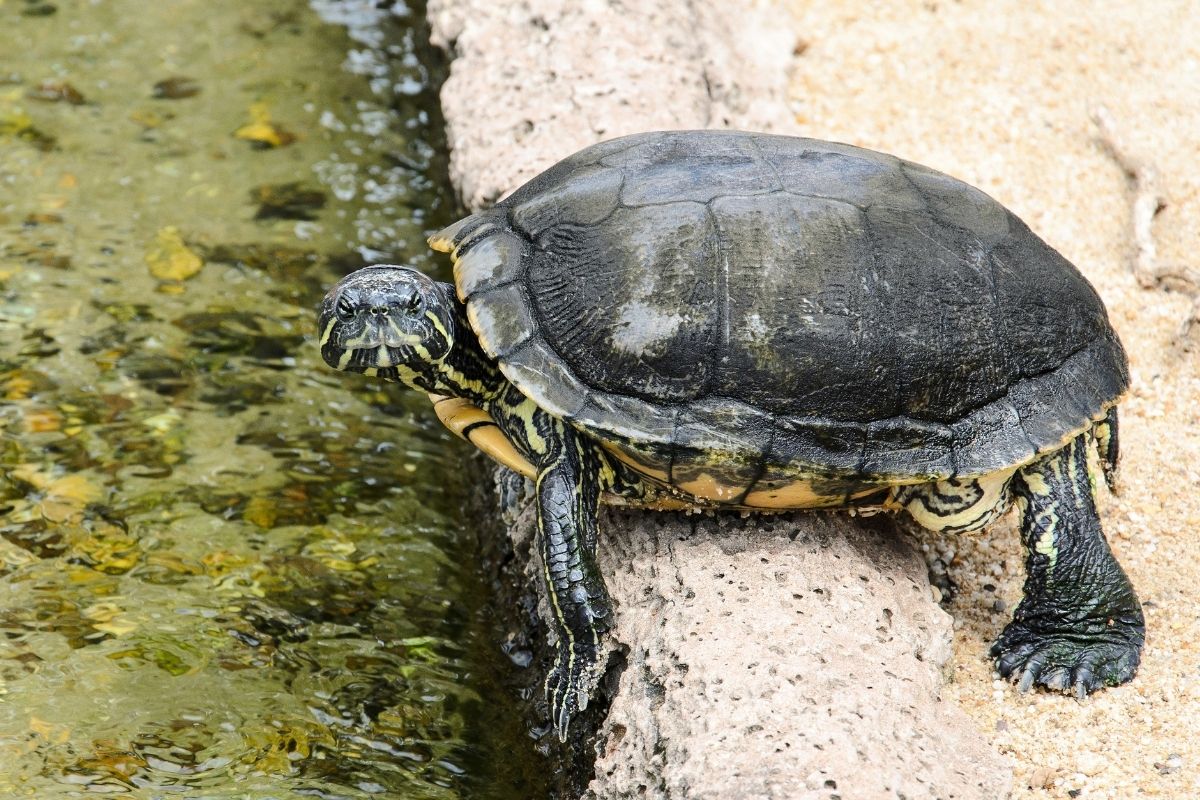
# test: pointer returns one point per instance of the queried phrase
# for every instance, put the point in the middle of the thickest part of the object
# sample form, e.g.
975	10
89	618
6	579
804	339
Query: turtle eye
344	309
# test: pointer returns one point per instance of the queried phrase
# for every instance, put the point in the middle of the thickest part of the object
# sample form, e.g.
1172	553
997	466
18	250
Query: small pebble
1042	778
56	92
1173	763
176	88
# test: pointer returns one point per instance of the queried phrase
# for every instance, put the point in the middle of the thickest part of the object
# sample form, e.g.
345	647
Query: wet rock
18	125
56	92
148	120
36	219
287	201
238	332
170	258
176	88
262	132
161	373
279	261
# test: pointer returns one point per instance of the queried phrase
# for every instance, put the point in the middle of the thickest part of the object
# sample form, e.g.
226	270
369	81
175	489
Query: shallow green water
226	571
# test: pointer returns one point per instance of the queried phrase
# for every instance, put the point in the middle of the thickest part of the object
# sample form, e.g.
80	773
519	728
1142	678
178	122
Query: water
225	570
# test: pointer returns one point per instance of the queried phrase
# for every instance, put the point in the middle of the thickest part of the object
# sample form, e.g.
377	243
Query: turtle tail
1104	433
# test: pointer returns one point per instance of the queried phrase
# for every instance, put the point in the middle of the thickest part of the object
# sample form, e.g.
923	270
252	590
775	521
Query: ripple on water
225	570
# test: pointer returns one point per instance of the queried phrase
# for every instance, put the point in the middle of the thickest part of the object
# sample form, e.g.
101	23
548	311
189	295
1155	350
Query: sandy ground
1001	95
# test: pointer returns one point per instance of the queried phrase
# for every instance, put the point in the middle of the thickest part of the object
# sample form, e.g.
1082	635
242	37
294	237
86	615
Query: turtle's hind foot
1070	660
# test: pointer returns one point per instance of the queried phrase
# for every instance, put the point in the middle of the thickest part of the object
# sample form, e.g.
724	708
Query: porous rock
532	81
790	656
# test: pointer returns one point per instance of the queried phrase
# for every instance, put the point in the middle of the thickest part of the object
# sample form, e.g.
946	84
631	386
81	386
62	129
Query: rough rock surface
787	656
535	80
781	657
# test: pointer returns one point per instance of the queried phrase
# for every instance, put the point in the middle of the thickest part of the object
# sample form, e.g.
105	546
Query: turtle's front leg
568	489
1079	625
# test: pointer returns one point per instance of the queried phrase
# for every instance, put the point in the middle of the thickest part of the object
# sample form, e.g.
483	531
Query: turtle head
391	322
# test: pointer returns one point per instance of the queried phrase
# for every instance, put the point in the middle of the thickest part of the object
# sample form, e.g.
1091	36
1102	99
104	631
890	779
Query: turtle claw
565	689
1057	679
1069	662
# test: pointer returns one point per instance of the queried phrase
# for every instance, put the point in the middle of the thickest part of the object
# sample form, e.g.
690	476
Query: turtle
731	320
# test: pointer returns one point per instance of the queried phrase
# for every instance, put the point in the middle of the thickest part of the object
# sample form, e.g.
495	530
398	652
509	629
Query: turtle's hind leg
1079	625
1108	443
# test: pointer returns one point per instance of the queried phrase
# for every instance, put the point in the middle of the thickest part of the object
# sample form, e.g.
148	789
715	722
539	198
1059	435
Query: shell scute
494	261
959	204
860	182
592	193
633	302
502	318
805	309
546	379
986	435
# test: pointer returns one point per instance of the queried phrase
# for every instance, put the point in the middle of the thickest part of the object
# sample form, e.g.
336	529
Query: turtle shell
740	308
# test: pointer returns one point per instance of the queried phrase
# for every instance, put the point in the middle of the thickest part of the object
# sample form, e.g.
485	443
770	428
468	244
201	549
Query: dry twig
1147	202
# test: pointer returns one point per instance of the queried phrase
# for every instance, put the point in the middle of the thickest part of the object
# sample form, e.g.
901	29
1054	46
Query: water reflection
225	571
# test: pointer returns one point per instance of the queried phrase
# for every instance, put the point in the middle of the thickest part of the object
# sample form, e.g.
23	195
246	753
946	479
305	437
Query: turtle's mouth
361	359
381	336
373	343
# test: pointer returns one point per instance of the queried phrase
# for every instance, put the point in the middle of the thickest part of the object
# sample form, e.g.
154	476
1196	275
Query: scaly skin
572	473
1080	625
567	494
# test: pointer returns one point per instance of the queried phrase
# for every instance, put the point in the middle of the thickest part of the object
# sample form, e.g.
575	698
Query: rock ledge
790	656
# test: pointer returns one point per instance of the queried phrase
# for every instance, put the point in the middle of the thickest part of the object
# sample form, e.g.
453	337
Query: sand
1002	95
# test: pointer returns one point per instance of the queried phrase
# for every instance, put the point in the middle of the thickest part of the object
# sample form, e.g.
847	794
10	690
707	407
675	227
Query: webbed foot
1070	660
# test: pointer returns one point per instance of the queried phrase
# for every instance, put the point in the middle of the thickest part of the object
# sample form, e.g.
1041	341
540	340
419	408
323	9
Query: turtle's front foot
568	682
568	490
1070	659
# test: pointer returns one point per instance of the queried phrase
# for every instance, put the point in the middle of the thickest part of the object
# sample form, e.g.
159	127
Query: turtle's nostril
379	311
